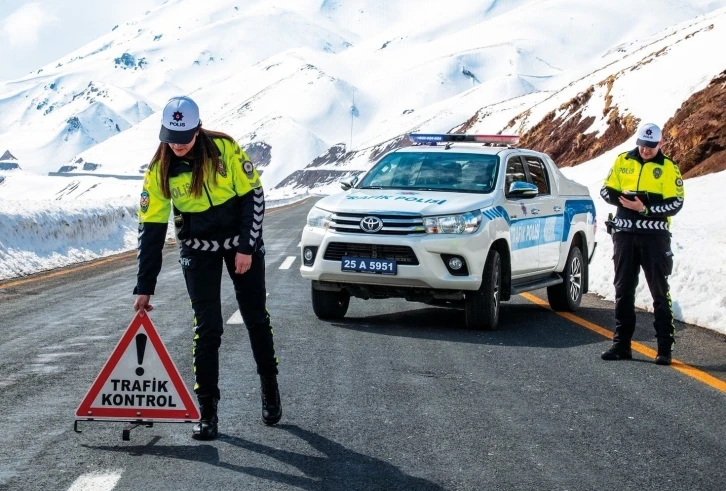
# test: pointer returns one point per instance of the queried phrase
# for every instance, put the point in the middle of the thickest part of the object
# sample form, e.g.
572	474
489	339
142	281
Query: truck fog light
308	255
455	263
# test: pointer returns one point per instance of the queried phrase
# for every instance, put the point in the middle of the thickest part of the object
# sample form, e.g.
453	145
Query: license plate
368	265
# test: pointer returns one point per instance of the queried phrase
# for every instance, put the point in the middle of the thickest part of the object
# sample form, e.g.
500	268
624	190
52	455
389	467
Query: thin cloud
22	28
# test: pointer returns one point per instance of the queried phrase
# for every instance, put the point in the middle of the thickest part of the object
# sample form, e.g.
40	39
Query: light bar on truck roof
434	138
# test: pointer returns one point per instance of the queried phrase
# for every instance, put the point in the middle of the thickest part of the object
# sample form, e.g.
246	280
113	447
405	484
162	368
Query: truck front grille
400	224
401	254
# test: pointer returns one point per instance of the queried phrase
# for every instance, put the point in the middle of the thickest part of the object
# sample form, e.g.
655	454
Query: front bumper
430	272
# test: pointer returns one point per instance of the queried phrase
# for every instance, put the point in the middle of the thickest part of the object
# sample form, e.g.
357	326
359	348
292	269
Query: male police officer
647	188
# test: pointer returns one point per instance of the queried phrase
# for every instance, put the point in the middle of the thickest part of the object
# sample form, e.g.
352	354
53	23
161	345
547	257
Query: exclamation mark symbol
140	348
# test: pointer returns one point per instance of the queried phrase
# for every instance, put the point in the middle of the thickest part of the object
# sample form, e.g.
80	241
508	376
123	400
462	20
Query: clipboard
643	196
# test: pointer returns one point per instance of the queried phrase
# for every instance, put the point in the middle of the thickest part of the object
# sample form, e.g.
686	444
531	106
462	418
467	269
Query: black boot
271	405
206	429
663	360
617	352
664	354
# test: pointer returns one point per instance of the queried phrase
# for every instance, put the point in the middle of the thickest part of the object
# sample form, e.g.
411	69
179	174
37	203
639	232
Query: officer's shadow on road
338	468
519	325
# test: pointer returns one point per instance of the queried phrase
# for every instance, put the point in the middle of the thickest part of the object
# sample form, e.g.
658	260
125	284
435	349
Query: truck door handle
557	209
534	211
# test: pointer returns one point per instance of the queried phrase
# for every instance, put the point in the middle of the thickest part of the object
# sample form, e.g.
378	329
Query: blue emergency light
434	138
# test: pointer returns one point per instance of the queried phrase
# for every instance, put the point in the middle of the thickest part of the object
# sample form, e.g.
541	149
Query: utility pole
352	115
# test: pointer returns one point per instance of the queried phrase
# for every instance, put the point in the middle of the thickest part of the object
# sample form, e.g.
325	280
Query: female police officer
218	204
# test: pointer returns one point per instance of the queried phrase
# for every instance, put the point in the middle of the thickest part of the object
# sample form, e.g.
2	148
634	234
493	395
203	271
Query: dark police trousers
203	276
653	254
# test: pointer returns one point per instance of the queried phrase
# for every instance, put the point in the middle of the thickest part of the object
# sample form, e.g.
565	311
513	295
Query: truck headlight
465	223
319	218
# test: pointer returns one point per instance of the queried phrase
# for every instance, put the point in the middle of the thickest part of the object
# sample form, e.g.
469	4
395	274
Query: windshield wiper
370	187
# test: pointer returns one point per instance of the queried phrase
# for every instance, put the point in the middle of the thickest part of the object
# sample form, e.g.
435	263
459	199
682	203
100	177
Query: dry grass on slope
696	134
561	133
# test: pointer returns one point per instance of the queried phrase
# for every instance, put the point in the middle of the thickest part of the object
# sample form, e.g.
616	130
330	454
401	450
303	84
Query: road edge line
688	370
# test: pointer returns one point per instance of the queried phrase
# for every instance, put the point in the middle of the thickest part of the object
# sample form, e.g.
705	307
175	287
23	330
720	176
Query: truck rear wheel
330	305
566	296
482	307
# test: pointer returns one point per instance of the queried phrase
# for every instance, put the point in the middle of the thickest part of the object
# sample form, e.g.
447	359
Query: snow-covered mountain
299	77
318	90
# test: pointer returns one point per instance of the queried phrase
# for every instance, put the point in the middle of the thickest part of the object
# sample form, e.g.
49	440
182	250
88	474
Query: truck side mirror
521	189
346	184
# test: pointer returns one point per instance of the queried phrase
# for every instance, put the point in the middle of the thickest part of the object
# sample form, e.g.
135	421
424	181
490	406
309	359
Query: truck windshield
445	171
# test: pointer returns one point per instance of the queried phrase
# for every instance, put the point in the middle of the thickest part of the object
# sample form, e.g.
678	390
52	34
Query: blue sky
36	32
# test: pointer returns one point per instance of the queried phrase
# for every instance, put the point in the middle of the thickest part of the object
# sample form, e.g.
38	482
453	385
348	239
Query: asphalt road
396	396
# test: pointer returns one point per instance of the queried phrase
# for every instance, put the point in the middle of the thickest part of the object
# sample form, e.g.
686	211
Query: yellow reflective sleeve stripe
673	184
153	206
613	179
246	177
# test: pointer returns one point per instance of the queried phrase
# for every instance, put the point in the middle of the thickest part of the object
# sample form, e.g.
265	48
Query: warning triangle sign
139	382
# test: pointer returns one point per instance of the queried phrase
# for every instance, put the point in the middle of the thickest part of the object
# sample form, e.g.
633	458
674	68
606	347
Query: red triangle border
188	413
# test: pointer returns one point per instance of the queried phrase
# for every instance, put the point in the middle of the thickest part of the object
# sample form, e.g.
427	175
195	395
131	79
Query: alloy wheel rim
575	279
497	284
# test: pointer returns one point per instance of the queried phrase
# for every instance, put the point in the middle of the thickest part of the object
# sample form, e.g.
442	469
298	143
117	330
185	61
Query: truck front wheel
566	296
329	304
482	306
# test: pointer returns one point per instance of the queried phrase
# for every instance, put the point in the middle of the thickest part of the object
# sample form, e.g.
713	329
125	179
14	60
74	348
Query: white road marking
96	481
299	243
50	357
288	262
7	382
237	317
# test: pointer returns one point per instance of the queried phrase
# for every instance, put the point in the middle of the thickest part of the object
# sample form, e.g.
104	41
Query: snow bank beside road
40	236
698	282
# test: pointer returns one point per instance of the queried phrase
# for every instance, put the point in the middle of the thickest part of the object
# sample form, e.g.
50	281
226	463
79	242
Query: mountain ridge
311	77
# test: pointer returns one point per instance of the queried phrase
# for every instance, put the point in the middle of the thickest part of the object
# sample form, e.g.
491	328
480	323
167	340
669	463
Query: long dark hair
205	156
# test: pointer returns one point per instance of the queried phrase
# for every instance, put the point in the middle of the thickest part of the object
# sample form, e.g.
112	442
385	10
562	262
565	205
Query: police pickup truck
464	221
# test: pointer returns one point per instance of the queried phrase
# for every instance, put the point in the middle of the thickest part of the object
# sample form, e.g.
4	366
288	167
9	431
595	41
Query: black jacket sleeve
610	195
151	244
253	213
667	208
